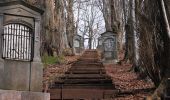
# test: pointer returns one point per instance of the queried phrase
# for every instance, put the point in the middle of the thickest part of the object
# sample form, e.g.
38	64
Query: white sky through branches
90	17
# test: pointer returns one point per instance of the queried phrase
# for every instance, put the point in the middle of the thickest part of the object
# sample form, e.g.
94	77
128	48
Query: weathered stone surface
1	60
18	74
36	76
23	95
35	96
78	44
23	76
1	73
9	95
108	45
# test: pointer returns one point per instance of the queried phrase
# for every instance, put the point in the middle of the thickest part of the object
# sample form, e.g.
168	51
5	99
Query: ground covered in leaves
129	85
54	71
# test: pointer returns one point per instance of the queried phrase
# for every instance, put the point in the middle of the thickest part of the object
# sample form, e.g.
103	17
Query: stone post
1	60
36	65
37	40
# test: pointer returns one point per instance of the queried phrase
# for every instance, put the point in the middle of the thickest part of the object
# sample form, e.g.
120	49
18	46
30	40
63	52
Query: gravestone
78	44
108	45
99	46
20	65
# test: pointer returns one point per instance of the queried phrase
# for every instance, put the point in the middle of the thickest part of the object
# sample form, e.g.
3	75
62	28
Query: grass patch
52	60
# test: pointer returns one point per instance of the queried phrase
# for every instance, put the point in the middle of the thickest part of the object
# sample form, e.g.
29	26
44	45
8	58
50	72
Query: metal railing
17	42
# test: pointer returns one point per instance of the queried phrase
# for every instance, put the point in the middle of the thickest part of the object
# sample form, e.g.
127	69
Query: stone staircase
86	79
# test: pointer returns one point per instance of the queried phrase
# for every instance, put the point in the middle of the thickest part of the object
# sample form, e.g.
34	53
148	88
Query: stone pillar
36	65
116	49
37	40
1	60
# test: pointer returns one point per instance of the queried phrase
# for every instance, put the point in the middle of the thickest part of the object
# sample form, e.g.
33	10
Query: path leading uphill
86	79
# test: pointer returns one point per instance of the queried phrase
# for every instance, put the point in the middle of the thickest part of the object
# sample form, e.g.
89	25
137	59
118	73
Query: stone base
21	76
23	95
115	61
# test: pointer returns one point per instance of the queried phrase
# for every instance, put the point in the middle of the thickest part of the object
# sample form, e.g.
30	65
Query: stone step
86	68
87	64
85	76
86	72
84	86
84	81
88	59
81	94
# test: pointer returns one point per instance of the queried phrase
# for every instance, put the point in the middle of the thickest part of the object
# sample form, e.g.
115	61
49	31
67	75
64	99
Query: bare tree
57	25
91	22
70	27
113	16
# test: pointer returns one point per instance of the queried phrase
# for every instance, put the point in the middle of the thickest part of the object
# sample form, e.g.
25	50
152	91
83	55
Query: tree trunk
70	28
107	14
165	18
131	35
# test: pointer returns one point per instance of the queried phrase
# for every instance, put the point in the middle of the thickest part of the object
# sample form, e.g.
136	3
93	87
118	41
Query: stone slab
81	94
23	95
16	75
23	76
36	77
110	61
1	73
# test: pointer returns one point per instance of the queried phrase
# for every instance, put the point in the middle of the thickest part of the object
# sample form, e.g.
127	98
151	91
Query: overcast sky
86	14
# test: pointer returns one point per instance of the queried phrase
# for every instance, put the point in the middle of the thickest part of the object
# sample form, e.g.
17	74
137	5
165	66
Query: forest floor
127	82
130	86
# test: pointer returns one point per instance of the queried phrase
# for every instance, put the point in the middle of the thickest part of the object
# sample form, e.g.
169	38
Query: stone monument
108	45
99	46
20	65
78	44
